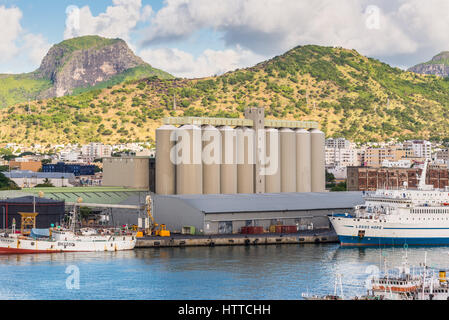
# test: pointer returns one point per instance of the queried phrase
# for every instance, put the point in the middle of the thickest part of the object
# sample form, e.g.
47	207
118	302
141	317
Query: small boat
70	239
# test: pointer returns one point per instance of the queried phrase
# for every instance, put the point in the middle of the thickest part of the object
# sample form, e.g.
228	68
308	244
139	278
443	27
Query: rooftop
271	202
38	175
101	195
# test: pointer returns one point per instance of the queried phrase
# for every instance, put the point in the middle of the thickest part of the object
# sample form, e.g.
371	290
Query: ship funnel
442	276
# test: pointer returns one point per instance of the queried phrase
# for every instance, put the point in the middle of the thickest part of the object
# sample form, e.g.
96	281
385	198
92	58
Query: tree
7	184
330	180
339	187
46	184
45	161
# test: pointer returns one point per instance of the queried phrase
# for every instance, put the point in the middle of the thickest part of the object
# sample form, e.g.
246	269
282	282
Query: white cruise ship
397	217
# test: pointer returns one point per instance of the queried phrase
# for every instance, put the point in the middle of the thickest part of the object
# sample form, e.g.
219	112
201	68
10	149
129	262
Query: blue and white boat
397	217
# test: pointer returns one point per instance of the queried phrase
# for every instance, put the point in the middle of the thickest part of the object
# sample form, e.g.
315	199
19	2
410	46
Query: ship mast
422	179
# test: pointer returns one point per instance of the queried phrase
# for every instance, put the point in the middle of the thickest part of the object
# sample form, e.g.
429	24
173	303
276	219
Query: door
225	227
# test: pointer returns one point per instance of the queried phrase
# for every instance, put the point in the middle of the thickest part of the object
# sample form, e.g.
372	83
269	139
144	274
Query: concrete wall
128	172
176	213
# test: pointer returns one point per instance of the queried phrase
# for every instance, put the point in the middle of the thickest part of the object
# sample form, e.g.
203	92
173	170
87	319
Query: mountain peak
438	65
87	42
85	61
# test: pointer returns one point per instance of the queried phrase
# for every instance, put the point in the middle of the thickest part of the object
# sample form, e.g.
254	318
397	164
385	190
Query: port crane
154	229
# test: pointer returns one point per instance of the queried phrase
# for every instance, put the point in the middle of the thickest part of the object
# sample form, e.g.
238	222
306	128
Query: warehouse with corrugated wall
226	214
50	211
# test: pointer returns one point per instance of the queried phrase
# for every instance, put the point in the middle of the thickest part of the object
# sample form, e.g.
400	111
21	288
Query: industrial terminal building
227	214
242	154
264	172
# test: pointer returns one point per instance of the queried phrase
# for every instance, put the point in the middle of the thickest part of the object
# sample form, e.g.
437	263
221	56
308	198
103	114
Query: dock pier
179	240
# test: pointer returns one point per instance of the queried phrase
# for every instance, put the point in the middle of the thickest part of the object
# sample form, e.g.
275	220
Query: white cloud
210	62
11	29
116	22
36	46
19	48
273	26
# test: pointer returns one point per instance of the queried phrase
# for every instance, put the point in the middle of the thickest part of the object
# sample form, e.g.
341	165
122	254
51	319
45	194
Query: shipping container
254	230
289	229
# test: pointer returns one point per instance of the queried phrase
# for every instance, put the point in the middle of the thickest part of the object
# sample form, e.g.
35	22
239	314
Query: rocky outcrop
69	67
438	66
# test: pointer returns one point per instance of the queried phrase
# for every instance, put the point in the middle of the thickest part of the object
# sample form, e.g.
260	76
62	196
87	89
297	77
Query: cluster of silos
300	157
211	161
194	159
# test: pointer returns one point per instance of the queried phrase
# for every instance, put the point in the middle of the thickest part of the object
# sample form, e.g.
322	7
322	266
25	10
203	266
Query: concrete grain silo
303	161
272	142
245	159
165	173
211	159
189	172
317	139
228	168
288	160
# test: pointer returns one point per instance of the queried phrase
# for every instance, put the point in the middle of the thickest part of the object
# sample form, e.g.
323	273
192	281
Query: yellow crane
154	228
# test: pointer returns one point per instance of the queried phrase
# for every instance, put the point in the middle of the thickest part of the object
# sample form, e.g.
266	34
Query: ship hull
370	232
349	241
32	246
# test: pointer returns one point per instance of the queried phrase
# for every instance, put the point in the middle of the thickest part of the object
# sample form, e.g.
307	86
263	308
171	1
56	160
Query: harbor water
240	273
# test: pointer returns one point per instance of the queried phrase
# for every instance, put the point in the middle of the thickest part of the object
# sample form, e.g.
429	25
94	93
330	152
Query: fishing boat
411	283
67	239
397	217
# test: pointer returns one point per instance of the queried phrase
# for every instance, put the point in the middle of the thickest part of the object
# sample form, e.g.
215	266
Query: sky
198	38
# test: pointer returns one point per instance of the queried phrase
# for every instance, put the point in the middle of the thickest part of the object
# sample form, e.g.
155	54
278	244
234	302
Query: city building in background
76	169
25	164
420	148
370	179
93	151
374	157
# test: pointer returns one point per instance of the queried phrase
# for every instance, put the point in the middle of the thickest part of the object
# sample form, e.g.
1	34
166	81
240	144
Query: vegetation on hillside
350	95
20	88
86	42
7	184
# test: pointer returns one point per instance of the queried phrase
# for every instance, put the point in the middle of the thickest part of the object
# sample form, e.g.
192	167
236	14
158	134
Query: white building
341	157
93	151
421	148
69	156
338	143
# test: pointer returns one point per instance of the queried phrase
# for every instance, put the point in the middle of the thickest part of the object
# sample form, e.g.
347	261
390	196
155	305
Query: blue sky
195	38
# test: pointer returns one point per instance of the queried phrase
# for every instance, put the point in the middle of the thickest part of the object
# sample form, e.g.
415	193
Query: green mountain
76	65
350	95
439	66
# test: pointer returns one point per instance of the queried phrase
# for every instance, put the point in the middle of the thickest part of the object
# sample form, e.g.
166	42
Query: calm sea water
262	272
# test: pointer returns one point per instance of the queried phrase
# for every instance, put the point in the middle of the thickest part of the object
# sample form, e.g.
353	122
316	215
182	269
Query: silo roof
227	203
